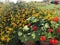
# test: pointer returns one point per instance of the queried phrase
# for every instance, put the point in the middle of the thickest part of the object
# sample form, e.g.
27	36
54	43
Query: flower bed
30	23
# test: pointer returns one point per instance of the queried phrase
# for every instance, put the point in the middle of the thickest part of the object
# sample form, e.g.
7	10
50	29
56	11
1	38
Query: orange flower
56	19
43	38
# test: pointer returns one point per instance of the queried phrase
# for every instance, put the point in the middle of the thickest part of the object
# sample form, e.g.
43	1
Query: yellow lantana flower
8	39
3	38
10	29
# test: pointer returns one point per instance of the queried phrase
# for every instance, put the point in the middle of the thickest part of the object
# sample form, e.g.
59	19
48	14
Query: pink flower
34	28
49	30
56	1
28	24
58	30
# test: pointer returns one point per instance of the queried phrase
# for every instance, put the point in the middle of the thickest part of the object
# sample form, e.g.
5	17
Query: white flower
35	20
33	35
56	25
24	35
32	17
42	24
29	18
42	28
46	25
29	33
25	28
19	33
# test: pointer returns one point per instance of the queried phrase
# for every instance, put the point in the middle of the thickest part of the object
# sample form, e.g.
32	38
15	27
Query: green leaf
49	35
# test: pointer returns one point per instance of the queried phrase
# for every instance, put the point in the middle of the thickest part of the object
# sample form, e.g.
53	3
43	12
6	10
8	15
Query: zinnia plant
41	29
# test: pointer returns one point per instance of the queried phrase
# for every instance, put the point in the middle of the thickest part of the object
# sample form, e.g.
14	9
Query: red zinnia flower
34	28
43	38
56	19
28	24
49	30
58	30
56	1
53	41
56	41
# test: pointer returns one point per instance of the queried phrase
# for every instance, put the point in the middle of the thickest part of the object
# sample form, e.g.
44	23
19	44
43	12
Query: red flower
56	19
56	41
49	30
34	28
28	24
56	1
53	41
58	30
43	38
